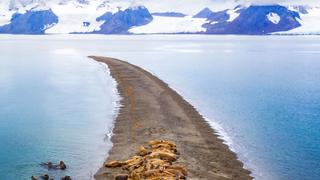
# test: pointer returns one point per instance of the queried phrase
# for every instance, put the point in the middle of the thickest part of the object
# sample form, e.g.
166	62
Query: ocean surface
54	105
260	93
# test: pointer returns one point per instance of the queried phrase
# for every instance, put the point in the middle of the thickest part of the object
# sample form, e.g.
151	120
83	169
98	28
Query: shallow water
262	93
53	107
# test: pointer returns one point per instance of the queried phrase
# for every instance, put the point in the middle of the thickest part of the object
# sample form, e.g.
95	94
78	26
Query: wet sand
152	110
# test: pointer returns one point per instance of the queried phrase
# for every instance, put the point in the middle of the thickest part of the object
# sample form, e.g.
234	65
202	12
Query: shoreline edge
150	109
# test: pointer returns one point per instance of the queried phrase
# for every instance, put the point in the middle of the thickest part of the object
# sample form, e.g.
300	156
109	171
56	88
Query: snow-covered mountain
166	16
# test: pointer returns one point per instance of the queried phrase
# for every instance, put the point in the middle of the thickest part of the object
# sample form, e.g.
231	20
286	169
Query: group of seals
46	177
51	166
151	163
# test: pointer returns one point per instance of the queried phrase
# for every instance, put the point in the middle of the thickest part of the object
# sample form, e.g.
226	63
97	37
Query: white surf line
221	134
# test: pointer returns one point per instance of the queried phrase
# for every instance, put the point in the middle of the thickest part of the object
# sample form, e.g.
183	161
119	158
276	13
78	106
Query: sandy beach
152	110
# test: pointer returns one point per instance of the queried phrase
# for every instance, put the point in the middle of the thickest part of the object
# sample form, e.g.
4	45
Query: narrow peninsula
152	110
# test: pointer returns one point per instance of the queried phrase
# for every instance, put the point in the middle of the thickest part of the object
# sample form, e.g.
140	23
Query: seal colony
151	110
153	162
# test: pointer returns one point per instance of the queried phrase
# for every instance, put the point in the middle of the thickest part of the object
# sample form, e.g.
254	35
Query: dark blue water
261	93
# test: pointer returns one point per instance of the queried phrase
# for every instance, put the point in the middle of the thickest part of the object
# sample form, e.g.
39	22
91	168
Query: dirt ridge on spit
149	110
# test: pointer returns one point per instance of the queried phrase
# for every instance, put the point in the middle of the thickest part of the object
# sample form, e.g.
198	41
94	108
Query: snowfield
233	14
5	18
167	25
74	18
274	18
310	23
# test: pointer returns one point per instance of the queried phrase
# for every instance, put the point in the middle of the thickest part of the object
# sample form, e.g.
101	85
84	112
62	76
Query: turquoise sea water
53	106
262	94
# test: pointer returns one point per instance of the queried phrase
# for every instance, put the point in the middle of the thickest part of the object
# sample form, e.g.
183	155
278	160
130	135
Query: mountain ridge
132	17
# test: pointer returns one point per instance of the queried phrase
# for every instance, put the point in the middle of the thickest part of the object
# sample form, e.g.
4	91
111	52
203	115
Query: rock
220	16
33	178
253	20
121	21
30	22
205	13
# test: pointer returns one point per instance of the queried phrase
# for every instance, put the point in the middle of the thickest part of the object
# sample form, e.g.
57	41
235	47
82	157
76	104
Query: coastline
152	110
